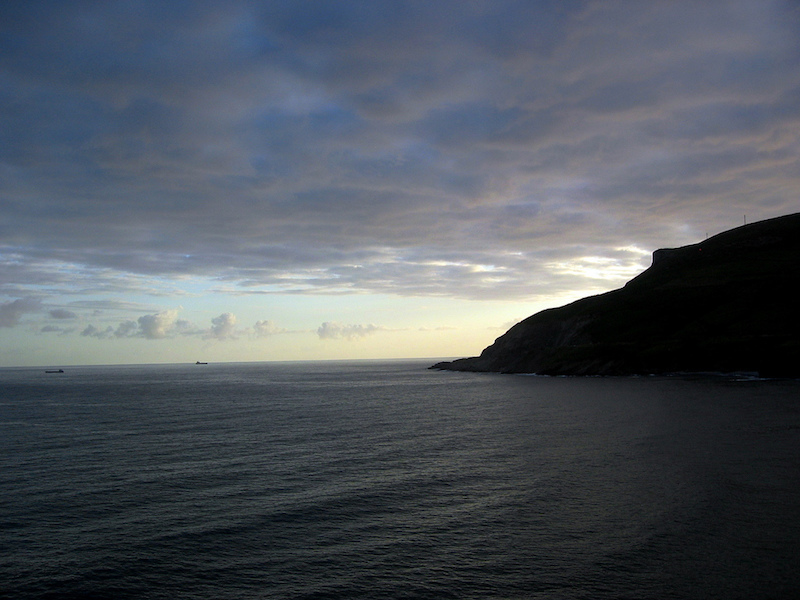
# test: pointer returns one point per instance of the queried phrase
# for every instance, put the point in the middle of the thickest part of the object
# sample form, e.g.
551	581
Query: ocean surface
386	480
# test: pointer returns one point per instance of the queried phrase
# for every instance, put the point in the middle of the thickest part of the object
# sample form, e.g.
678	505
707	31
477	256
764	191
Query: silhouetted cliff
729	303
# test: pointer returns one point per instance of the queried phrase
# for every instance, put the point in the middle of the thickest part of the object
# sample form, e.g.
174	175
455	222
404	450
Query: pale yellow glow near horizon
405	328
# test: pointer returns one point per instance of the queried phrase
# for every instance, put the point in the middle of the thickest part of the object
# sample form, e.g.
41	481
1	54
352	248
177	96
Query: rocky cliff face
729	303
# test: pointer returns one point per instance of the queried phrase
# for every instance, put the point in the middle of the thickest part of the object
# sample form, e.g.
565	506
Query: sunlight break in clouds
629	261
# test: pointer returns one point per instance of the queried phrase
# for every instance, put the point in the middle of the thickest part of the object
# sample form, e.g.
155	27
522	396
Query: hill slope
729	303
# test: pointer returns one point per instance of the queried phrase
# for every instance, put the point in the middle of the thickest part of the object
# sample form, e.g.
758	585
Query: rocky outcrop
729	303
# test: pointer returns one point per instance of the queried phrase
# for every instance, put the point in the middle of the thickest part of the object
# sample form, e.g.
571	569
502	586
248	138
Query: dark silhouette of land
727	304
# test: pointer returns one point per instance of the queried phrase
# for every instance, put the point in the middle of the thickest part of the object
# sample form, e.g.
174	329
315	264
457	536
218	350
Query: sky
292	180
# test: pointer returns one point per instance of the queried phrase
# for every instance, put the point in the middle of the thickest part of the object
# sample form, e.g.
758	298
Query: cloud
101	334
111	305
11	312
223	327
166	324
158	326
126	329
336	331
468	150
263	329
61	313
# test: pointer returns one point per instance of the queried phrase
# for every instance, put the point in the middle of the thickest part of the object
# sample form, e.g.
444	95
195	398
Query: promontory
730	303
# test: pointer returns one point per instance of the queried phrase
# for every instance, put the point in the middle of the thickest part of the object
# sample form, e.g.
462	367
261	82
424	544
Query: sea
383	479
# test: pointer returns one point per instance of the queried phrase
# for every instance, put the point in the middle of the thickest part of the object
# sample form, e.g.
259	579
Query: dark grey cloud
126	329
62	313
11	312
110	305
477	150
92	331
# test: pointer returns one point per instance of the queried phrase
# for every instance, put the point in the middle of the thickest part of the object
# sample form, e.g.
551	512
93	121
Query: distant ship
200	363
57	371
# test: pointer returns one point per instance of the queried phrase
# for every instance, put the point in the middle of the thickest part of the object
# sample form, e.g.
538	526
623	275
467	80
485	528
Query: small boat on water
55	371
200	363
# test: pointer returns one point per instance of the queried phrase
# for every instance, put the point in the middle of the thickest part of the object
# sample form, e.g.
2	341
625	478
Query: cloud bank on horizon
466	150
